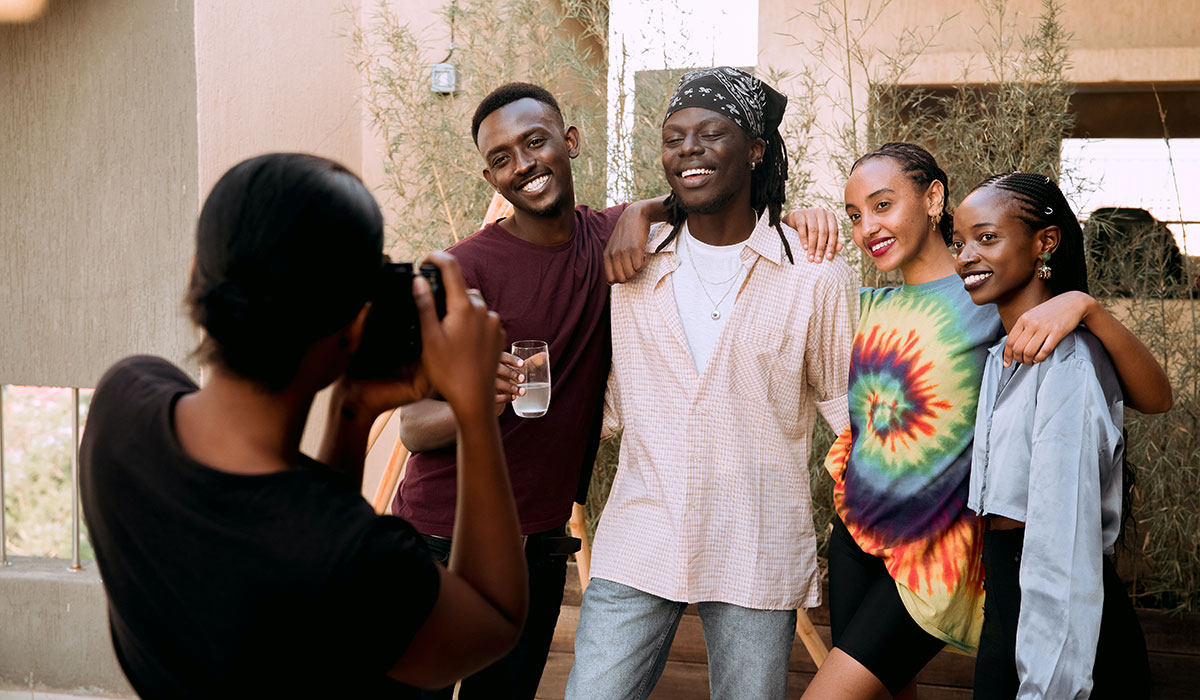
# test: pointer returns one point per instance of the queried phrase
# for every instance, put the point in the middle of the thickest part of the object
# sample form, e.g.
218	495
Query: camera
391	338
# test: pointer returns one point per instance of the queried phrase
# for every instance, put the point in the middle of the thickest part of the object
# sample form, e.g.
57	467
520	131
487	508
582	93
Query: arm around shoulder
1144	381
1039	330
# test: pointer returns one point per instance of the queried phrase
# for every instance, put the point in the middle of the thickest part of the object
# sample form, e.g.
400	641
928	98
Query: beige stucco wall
97	187
116	119
274	76
1114	41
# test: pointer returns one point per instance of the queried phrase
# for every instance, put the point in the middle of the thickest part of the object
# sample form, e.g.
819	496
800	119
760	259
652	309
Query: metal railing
76	563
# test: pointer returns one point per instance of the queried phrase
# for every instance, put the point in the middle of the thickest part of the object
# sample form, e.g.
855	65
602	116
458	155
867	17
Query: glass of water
536	400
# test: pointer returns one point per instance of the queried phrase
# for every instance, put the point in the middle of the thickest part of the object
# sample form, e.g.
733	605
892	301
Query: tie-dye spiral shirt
902	468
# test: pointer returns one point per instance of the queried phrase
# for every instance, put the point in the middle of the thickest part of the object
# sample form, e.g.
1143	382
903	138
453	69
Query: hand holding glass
536	399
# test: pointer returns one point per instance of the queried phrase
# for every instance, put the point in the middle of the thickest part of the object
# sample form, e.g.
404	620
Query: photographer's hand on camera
461	352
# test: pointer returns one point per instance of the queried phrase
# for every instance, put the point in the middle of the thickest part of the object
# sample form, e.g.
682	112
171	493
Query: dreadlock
1042	204
921	168
768	183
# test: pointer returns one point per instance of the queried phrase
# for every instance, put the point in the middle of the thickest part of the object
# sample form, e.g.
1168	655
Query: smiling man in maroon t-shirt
542	270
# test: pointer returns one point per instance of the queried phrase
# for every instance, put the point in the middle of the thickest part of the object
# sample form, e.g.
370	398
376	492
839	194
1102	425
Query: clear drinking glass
537	378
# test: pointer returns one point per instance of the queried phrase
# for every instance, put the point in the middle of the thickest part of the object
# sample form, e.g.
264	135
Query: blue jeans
624	635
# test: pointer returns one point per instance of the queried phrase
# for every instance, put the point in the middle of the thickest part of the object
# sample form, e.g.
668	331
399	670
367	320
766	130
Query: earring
1043	271
753	164
936	220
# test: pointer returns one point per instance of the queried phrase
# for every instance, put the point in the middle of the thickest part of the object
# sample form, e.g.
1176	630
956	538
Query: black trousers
1121	669
516	676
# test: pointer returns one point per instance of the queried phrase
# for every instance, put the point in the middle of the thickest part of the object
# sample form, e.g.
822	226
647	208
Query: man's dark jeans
516	676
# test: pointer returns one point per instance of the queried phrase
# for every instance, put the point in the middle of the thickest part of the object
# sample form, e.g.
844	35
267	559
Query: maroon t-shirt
551	293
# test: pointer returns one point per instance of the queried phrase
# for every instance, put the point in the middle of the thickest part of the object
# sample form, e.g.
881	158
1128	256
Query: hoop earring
1043	271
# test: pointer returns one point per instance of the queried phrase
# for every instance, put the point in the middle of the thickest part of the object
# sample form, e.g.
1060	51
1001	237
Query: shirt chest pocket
767	368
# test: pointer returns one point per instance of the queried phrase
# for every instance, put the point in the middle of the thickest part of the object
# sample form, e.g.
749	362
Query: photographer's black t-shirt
224	585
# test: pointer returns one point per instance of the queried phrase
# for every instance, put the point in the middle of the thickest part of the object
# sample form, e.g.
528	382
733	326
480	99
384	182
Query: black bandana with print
747	101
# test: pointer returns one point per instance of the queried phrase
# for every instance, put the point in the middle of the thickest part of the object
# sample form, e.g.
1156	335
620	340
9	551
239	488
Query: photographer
235	566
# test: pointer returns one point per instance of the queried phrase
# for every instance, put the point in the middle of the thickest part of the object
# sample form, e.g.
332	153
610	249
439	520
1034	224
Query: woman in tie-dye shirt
905	571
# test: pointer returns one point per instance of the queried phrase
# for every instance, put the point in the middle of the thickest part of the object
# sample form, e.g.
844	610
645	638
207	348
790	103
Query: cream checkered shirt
711	500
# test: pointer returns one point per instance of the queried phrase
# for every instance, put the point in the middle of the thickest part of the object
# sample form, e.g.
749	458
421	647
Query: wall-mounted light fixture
443	78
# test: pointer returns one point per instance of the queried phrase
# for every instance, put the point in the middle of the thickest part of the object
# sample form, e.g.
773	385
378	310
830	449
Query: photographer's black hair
768	191
287	248
505	95
921	167
1042	204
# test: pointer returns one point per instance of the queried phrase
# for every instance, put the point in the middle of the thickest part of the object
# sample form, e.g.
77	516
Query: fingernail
520	391
520	377
520	362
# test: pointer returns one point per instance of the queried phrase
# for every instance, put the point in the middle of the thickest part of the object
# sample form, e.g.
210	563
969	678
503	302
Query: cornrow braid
921	167
768	188
1042	204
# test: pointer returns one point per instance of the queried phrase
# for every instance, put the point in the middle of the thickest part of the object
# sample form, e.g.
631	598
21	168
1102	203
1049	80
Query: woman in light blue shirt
1047	466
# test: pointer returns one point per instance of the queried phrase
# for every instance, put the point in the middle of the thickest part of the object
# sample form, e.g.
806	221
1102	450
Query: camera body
391	338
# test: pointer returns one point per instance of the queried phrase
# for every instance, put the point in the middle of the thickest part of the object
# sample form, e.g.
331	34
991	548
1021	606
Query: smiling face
707	159
527	155
890	216
996	253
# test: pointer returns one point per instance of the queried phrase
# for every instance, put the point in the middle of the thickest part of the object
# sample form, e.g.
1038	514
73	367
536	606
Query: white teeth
977	277
535	184
697	171
881	244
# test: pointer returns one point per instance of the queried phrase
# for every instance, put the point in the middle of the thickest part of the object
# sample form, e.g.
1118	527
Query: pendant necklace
732	281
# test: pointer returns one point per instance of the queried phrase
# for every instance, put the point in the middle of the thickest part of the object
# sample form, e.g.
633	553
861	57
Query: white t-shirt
706	285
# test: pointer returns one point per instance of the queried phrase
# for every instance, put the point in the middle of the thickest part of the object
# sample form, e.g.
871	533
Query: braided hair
1042	204
768	183
921	167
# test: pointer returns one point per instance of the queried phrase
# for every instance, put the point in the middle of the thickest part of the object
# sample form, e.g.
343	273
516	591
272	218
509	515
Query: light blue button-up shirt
1048	452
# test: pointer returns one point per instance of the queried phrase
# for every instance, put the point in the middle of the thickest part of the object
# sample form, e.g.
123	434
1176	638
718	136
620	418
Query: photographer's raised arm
483	596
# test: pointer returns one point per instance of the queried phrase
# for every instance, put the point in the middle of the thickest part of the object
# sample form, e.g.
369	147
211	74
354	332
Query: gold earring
936	219
1043	271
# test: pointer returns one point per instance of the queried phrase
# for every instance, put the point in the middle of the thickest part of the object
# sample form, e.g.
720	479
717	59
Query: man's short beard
548	212
712	206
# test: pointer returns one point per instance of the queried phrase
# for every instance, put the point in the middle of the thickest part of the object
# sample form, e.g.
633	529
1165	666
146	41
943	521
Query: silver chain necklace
732	281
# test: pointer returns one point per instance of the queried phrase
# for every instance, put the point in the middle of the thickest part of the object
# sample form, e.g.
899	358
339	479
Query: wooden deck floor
1174	643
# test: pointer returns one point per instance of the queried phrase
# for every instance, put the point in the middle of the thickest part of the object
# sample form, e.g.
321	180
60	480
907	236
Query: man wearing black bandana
724	349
